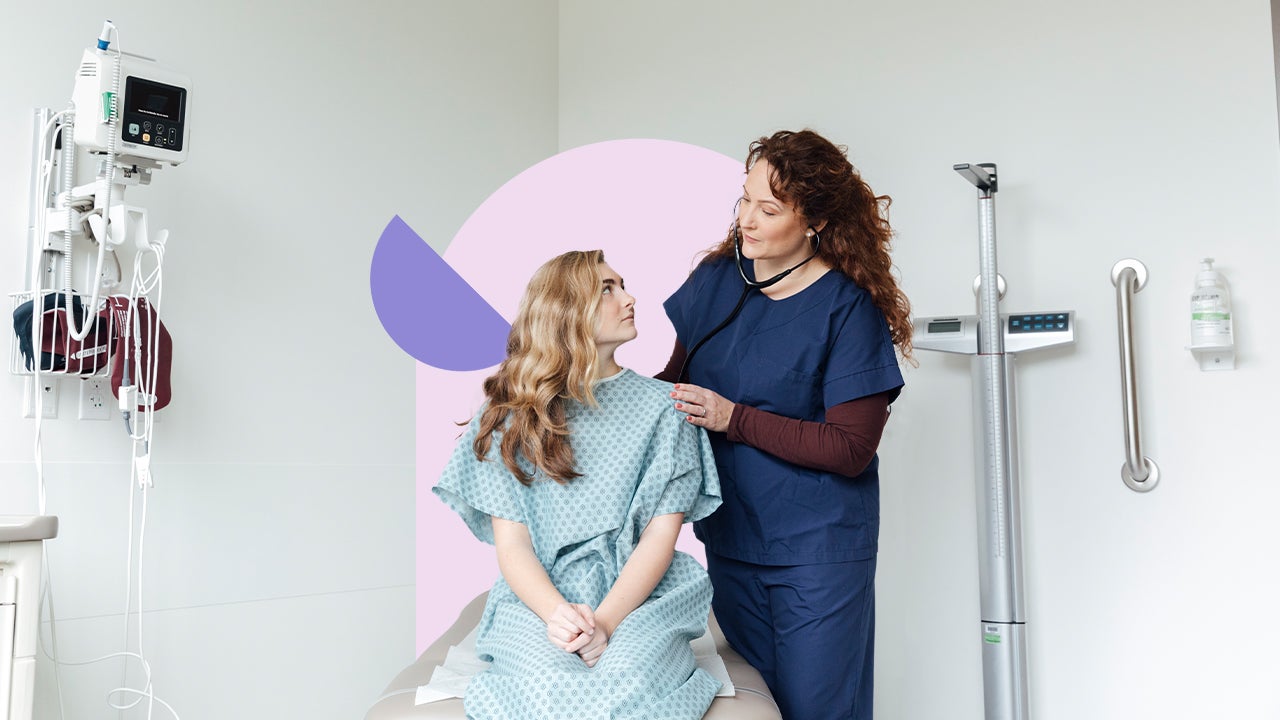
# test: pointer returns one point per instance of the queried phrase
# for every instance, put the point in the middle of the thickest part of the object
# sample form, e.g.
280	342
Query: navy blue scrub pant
808	629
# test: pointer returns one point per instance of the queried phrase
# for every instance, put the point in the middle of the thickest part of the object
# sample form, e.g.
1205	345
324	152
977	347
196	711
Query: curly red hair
815	177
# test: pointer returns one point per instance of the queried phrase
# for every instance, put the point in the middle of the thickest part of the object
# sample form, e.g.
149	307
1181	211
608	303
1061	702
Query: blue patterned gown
638	459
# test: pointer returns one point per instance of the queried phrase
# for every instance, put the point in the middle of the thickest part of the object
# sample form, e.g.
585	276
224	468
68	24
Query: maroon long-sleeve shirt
844	443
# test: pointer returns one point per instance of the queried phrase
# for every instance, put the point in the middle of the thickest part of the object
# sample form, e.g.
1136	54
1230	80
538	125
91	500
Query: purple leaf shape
428	309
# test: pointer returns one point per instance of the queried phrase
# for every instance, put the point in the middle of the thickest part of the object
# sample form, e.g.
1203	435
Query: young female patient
581	473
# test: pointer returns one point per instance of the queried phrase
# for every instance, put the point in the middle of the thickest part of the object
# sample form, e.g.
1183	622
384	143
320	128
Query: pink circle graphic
653	206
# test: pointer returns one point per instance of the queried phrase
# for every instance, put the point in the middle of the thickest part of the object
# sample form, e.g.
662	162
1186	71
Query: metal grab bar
1139	472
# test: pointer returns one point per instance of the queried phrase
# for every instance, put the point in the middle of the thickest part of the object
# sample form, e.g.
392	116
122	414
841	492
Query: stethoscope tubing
747	286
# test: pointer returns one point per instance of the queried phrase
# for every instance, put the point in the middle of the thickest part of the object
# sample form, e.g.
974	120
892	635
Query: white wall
1125	128
279	567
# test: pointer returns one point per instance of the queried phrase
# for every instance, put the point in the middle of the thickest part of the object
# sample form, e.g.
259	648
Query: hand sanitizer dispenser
1212	341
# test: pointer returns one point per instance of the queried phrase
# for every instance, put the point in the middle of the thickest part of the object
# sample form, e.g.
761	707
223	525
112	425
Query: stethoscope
747	286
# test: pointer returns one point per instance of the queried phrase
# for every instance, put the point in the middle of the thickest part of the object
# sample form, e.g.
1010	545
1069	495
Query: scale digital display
944	326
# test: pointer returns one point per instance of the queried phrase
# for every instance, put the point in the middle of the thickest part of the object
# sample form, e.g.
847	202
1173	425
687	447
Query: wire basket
60	353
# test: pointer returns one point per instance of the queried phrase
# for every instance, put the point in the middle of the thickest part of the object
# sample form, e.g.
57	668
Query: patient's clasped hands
572	627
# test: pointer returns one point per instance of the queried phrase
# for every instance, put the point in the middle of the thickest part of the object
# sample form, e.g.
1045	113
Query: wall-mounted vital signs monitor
151	107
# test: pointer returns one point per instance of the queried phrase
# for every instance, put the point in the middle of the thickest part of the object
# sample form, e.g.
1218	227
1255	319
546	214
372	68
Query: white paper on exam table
461	664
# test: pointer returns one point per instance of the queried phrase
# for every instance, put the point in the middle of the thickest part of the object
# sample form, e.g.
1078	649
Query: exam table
752	699
21	551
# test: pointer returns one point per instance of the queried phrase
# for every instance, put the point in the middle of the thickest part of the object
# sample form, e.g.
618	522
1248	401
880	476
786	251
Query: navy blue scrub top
796	357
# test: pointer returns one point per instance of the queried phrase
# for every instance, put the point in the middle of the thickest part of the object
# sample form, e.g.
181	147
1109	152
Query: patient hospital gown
638	459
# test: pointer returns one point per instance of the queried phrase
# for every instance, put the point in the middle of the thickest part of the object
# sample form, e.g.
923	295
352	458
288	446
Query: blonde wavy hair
551	358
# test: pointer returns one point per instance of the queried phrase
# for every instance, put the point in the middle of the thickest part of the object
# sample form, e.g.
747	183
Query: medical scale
994	340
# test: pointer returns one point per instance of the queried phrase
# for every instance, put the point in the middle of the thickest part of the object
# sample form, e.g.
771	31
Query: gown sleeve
678	476
693	487
480	490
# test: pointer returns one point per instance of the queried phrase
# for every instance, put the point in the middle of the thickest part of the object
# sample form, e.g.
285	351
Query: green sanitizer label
991	635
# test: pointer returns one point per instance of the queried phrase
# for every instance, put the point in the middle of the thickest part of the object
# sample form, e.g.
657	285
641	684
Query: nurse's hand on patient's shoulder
571	626
595	647
703	407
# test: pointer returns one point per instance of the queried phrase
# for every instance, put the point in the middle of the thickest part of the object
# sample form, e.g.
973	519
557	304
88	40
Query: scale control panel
1037	322
1022	332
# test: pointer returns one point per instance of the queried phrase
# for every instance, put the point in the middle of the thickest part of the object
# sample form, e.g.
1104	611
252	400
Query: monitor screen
154	100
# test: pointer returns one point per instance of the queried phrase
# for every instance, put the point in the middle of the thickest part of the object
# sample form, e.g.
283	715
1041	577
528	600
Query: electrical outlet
94	395
48	391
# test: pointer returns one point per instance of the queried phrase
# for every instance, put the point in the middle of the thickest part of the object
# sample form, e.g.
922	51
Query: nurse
785	351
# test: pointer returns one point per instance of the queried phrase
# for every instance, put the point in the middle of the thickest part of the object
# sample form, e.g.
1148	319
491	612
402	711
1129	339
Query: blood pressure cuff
138	348
59	352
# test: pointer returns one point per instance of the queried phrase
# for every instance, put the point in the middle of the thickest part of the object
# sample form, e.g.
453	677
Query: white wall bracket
1214	357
